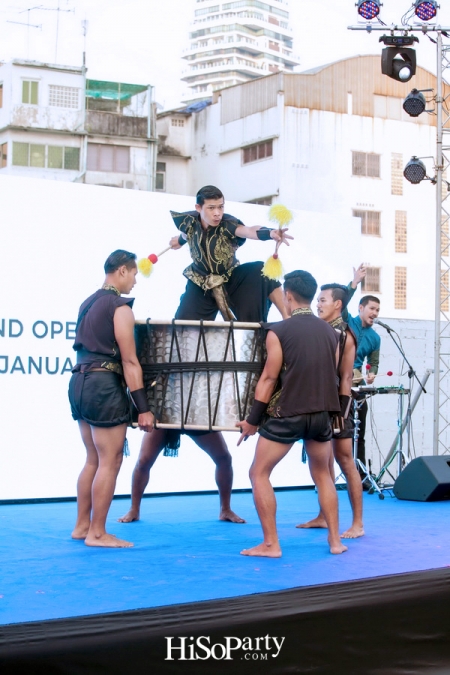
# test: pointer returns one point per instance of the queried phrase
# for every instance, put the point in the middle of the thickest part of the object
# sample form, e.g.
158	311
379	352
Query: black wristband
139	398
264	233
257	412
345	403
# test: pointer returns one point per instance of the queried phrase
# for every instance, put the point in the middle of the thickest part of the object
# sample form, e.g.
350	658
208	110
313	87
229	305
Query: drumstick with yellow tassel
273	268
145	265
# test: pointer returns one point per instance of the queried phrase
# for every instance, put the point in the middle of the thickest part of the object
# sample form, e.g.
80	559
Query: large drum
200	375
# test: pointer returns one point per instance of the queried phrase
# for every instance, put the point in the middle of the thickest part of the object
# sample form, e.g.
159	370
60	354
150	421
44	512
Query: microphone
380	323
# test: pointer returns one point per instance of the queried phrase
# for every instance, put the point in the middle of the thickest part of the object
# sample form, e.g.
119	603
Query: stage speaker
425	479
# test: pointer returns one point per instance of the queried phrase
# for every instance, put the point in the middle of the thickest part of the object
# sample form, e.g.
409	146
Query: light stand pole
442	293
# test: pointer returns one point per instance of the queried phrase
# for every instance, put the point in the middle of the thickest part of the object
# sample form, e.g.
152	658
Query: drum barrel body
200	375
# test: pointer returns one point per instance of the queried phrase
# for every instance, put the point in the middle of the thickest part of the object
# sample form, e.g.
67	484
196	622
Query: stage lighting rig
368	9
415	171
401	69
425	9
415	103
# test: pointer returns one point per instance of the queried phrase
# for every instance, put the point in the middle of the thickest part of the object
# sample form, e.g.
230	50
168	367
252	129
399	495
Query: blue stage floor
184	554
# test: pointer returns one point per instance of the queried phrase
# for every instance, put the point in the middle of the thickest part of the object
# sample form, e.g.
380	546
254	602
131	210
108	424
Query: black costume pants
247	292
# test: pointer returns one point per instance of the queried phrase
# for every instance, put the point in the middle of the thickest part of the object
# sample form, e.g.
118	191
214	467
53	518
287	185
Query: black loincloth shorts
308	427
348	431
99	398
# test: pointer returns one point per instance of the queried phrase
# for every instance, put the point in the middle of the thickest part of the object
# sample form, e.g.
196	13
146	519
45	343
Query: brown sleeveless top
307	382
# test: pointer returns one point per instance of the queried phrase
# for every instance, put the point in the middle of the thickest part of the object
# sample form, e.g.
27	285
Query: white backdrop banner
54	239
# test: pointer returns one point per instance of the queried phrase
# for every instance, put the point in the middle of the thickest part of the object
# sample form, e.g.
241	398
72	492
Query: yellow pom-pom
280	214
145	267
273	269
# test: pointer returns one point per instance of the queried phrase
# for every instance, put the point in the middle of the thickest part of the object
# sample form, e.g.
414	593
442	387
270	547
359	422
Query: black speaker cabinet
425	479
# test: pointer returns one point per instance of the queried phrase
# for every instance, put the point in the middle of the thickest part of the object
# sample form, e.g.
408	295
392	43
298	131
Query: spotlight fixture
368	9
401	69
425	9
414	104
415	170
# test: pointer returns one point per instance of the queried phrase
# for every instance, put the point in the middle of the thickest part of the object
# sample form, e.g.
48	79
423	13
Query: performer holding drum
106	355
216	282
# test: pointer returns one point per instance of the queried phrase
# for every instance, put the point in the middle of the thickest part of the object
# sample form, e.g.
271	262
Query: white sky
141	41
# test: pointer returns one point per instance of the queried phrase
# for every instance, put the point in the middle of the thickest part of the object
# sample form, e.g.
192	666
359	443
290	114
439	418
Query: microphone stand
411	375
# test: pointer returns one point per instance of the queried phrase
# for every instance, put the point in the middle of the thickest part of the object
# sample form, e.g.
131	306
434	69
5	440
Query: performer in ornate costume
216	280
332	300
213	239
106	356
302	355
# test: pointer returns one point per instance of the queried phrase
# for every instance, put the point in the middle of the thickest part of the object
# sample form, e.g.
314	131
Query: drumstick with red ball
145	265
389	374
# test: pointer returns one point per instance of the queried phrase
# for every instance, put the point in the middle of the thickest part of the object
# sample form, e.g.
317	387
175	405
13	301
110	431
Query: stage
382	607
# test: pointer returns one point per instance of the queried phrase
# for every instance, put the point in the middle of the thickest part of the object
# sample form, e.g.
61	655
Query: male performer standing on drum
216	280
332	300
368	350
106	355
213	238
302	353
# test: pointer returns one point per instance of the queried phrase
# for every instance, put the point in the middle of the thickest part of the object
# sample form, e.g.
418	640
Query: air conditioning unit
129	185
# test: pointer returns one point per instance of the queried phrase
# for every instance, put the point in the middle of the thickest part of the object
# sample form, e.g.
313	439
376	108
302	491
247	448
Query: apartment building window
400	288
160	180
46	156
253	153
445	236
30	90
176	122
444	291
371	283
111	158
63	97
401	242
3	155
396	173
365	164
1	95
370	221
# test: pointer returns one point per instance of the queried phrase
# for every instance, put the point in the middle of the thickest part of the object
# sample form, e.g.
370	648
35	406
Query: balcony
113	124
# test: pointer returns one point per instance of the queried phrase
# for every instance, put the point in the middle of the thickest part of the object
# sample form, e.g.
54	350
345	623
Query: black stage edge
392	625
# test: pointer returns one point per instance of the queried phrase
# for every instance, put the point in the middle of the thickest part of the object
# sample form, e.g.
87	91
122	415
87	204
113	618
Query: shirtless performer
215	282
302	353
106	356
332	300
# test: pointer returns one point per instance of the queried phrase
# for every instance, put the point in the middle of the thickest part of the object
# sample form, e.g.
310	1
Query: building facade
334	140
56	124
234	42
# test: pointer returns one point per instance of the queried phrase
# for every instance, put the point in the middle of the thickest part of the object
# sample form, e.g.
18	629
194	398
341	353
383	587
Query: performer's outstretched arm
358	275
264	233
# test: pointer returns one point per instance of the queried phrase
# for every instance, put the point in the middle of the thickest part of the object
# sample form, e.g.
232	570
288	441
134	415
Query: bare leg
109	444
151	446
277	298
343	451
267	456
319	458
214	445
84	484
319	521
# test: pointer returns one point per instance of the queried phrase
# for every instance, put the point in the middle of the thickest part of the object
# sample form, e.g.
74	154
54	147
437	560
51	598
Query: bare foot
130	517
353	532
230	516
80	532
315	522
107	541
263	551
337	547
